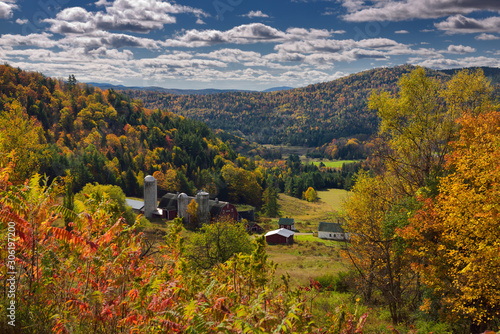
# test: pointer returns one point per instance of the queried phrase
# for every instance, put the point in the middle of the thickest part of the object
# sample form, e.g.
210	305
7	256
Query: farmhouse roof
282	231
168	201
330	227
135	204
286	221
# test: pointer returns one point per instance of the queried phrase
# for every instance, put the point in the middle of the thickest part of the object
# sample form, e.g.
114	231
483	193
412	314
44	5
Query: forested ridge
101	136
70	129
309	116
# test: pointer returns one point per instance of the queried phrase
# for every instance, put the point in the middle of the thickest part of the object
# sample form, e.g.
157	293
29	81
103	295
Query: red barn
222	209
280	236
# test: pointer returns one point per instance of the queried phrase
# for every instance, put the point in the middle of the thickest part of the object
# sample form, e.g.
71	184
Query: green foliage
270	207
216	243
340	282
119	206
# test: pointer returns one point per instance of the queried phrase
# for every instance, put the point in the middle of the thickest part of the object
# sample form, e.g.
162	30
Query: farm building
138	205
168	203
280	236
254	227
171	207
332	231
288	223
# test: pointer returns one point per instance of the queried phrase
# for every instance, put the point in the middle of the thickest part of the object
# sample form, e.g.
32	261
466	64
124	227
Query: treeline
310	116
424	221
293	178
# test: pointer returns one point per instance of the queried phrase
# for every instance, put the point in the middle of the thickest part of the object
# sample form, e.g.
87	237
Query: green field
335	163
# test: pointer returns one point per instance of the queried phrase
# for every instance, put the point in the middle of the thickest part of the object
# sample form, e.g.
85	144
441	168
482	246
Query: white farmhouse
332	231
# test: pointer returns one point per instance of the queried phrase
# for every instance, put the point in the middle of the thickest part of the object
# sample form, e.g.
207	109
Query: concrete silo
150	200
203	207
182	205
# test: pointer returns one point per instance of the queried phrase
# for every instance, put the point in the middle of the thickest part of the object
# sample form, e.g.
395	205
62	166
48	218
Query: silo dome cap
149	178
182	195
202	192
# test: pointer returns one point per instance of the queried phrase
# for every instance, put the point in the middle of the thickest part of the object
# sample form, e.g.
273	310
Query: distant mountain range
308	116
180	91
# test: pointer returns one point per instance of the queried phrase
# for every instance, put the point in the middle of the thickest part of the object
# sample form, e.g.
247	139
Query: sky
243	44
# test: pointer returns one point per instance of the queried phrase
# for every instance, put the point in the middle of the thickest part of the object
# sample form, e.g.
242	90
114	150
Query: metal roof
135	204
282	231
286	221
330	227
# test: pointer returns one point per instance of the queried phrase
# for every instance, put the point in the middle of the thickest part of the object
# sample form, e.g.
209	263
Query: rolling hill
309	116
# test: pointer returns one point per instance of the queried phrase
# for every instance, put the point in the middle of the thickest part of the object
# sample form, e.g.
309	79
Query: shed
288	223
332	231
280	236
254	227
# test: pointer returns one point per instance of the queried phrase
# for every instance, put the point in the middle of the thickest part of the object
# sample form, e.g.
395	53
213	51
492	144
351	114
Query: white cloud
443	63
6	8
122	15
486	37
461	24
252	14
401	32
393	10
22	21
42	40
460	49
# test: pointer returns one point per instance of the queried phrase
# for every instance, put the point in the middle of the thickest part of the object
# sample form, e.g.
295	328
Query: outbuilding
332	231
280	236
288	223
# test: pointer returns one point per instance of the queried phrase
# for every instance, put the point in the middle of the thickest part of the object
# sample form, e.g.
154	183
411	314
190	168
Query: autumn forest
423	214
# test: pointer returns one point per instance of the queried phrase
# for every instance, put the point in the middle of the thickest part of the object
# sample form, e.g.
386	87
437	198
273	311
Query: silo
150	200
182	205
203	207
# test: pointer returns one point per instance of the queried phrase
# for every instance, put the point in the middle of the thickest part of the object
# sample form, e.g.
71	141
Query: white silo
182	205
203	207
150	200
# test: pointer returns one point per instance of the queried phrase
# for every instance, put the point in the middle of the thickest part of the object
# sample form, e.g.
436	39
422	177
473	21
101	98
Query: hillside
64	128
309	116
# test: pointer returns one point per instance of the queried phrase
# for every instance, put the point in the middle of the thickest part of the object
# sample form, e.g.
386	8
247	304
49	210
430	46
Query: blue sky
243	44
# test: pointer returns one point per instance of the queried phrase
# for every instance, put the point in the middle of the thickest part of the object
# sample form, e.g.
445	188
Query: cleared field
334	197
334	164
307	258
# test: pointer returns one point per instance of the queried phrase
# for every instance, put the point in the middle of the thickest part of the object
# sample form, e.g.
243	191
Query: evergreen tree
271	207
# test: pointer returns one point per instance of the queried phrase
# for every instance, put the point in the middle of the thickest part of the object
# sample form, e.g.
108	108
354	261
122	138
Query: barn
280	236
332	231
288	223
168	204
222	209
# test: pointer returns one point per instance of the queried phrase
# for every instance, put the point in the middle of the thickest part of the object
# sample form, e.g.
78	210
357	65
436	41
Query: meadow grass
334	163
334	197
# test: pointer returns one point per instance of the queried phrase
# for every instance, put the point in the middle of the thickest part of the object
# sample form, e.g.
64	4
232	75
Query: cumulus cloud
42	40
402	32
392	10
461	24
444	63
486	37
6	8
121	15
252	14
460	49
